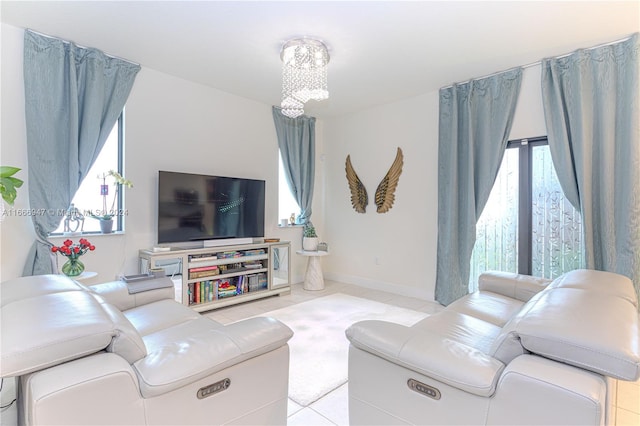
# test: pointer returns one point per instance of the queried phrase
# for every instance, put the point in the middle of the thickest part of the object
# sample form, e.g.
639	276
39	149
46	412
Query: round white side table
313	279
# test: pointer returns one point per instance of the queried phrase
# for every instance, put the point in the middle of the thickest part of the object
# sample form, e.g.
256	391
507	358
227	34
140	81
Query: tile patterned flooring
332	409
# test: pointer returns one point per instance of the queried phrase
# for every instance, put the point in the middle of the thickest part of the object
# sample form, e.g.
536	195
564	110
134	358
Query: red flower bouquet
73	267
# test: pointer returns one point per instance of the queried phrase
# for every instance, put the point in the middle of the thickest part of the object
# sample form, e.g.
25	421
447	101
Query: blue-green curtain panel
73	97
297	142
474	123
591	110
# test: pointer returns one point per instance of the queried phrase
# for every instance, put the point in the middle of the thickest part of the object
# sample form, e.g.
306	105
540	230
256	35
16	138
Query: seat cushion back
588	319
507	345
126	340
46	330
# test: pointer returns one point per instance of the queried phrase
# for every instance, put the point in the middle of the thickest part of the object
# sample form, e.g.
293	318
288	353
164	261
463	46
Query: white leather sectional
101	355
521	350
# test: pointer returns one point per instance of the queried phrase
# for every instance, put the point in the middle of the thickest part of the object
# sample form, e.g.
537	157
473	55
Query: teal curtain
474	124
73	97
297	142
591	110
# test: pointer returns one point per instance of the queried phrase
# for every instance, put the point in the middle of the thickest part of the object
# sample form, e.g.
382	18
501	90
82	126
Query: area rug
319	349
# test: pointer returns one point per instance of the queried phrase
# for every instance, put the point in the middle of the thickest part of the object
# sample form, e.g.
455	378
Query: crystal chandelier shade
304	74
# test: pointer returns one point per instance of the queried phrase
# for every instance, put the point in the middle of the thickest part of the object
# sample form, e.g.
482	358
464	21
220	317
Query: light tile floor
333	408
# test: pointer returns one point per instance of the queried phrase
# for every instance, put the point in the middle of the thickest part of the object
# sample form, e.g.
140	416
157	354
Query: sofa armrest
180	362
117	294
515	286
538	391
430	354
99	388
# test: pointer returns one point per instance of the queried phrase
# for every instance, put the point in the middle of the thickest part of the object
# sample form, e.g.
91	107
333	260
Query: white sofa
521	350
101	355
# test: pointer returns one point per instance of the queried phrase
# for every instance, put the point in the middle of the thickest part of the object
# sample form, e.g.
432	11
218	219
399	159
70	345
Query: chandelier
304	74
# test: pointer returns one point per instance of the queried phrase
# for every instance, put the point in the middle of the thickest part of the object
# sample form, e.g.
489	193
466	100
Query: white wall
393	251
396	251
171	124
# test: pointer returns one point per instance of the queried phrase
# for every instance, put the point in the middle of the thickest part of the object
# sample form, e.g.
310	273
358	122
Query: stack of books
226	289
205	271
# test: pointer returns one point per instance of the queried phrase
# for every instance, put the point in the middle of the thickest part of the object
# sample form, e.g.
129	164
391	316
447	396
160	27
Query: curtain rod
539	62
83	47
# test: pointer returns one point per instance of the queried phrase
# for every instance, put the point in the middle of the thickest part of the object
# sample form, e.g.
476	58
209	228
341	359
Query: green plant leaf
6	171
9	184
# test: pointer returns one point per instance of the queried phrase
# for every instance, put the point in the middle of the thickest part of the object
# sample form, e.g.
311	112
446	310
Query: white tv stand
212	277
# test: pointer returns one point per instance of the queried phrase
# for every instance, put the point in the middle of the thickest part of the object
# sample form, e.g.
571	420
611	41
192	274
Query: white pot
310	243
106	225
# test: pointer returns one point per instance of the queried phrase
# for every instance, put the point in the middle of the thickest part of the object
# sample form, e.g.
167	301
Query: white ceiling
381	51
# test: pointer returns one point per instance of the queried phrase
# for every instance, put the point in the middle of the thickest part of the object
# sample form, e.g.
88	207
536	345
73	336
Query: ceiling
381	51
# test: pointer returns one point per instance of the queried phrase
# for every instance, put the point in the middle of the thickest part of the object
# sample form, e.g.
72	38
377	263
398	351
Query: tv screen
195	207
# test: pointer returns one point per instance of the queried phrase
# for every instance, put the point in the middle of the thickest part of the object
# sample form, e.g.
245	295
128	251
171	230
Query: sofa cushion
584	327
156	340
37	285
42	331
487	306
515	286
507	345
117	293
461	328
599	282
126	341
160	315
202	349
427	352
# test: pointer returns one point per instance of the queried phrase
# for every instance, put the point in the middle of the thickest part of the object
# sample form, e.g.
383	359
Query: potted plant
106	216
310	238
9	184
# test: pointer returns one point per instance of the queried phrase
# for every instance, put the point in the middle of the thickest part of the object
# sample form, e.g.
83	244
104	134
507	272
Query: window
287	205
527	226
88	197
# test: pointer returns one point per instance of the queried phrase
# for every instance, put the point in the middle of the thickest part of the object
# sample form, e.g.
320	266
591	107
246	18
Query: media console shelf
213	277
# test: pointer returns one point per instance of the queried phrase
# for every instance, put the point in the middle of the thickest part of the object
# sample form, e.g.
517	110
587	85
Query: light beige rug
319	348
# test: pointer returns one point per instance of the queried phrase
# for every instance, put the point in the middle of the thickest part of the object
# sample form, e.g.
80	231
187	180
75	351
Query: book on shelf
253	265
242	284
203	273
226	289
202	257
229	254
253	252
202	292
256	282
203	268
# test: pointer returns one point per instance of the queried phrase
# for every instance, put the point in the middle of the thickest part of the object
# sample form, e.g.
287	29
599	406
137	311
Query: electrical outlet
376	260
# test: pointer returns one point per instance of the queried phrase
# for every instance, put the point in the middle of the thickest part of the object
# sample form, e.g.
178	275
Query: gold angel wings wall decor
359	197
385	193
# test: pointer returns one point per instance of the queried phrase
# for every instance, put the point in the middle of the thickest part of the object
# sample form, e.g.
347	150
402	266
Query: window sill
85	234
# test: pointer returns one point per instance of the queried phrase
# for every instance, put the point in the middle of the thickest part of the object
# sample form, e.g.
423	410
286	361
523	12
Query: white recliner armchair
100	355
521	350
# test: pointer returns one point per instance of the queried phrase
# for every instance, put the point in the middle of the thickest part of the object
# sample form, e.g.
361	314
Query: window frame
525	208
119	222
524	241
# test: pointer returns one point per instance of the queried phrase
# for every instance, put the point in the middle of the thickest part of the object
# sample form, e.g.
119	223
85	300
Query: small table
313	279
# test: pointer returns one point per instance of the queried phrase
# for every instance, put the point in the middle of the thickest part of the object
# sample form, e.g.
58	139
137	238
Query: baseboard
381	286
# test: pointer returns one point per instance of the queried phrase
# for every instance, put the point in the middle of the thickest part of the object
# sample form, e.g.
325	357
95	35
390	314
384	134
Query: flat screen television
194	207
